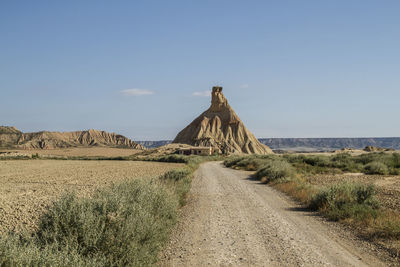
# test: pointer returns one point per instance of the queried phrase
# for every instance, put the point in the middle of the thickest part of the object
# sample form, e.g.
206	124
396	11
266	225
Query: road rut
232	220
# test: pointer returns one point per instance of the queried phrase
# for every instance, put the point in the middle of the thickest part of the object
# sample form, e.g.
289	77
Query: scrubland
122	217
362	192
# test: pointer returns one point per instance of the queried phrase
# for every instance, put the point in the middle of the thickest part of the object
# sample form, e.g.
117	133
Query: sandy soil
73	152
232	220
28	186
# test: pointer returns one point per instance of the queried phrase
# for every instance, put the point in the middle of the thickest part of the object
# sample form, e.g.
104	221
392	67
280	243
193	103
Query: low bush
276	171
35	156
346	200
370	163
19	157
297	189
126	224
395	160
376	167
248	163
181	180
173	158
346	163
322	161
176	175
387	225
232	160
17	251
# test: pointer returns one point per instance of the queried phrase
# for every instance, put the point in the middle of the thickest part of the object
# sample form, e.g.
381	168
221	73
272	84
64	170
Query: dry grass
27	187
299	191
388	186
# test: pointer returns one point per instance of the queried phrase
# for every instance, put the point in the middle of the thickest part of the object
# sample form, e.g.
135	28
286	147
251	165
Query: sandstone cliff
11	137
221	128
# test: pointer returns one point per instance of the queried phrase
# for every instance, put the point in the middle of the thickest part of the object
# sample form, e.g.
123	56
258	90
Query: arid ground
73	152
28	186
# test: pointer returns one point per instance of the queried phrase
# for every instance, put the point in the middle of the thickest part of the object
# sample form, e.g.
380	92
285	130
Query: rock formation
220	128
11	137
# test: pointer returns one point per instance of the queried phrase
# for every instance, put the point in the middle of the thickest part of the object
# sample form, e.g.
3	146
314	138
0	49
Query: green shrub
395	160
369	157
18	157
276	171
35	156
394	171
181	180
346	163
126	224
371	163
17	251
232	160
176	175
294	158
322	161
376	168
250	163
341	157
173	158
390	227
346	200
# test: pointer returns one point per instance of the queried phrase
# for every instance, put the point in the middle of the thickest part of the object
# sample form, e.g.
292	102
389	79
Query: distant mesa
11	137
330	144
154	144
220	128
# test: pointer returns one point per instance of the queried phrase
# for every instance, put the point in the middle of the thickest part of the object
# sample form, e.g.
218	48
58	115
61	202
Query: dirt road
232	220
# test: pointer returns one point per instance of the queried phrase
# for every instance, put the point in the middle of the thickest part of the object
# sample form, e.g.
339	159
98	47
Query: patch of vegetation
191	160
125	225
181	180
387	226
277	171
249	163
19	157
172	158
346	200
376	167
16	251
232	160
369	163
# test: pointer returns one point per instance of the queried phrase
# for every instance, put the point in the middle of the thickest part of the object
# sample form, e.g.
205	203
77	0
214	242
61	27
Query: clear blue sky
289	68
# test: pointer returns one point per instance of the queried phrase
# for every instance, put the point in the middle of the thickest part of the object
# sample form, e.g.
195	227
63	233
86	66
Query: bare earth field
28	186
73	152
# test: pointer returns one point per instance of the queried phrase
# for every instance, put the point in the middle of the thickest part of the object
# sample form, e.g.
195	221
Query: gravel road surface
232	220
